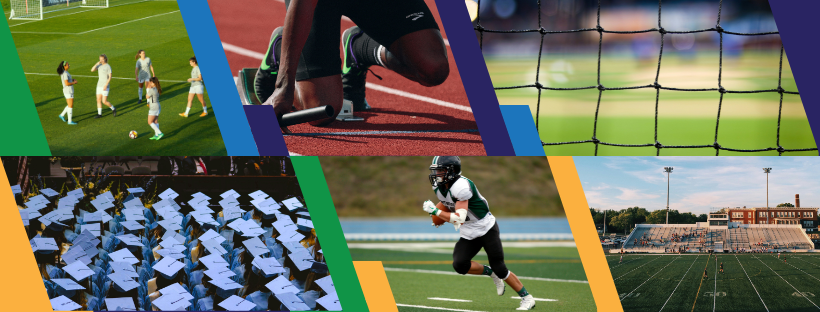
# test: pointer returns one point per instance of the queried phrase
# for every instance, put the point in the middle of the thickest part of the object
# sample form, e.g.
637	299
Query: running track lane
397	126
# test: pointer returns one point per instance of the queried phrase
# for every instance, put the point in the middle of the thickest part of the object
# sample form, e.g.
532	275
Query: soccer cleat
98	117
265	81
527	303
500	286
183	115
353	73
62	118
203	114
114	112
153	138
159	136
72	123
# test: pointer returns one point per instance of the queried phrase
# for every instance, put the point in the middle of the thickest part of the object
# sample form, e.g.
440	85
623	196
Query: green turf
647	282
748	121
414	288
166	42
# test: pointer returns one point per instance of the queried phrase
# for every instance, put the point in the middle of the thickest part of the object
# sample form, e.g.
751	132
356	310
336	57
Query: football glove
430	208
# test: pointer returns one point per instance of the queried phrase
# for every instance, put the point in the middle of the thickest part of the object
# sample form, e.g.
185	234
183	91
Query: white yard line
648	279
753	284
433	308
369	85
454	273
627	261
449	299
637	268
714	294
676	287
89	76
536	299
787	282
812	276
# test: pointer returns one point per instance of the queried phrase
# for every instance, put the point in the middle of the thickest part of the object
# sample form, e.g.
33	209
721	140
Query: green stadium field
417	274
79	36
750	282
748	121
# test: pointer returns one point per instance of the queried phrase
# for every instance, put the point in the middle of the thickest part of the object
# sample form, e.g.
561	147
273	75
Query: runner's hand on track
282	101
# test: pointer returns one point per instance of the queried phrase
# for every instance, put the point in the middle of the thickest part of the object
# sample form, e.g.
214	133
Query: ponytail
138	54
61	68
155	80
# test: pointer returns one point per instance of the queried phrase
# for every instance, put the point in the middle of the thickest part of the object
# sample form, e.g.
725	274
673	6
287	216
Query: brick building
805	216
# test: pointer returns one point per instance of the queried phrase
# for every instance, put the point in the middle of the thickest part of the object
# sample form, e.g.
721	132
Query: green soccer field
415	275
747	121
79	36
750	282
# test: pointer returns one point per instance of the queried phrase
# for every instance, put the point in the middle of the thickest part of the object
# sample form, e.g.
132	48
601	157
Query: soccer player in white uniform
470	214
144	70
152	92
197	88
68	91
103	85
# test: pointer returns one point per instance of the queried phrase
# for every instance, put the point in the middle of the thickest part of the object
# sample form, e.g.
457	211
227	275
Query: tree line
623	221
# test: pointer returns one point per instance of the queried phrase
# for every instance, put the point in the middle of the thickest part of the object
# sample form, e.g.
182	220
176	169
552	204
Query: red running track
397	125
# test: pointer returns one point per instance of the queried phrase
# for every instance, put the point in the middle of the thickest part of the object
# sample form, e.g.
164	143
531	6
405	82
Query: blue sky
698	183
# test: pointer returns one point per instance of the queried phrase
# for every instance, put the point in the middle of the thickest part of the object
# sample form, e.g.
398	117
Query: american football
440	221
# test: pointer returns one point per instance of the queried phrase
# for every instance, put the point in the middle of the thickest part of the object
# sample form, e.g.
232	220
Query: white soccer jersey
479	219
152	95
66	76
194	75
144	67
103	70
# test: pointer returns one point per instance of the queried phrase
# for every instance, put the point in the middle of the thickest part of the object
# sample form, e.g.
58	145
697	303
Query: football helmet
450	164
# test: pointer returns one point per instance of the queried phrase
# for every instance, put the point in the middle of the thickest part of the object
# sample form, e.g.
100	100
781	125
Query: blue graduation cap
15	189
292	302
78	271
236	303
281	285
292	203
137	191
62	303
230	193
123	281
168	194
49	192
326	283
120	304
330	302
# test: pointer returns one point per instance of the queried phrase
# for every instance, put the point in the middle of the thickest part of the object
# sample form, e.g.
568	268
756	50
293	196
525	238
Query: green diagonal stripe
329	230
21	129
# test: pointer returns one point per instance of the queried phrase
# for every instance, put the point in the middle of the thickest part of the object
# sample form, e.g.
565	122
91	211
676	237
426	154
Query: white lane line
676	287
536	299
433	308
449	299
787	282
88	31
454	273
638	268
648	279
750	282
369	85
89	76
294	154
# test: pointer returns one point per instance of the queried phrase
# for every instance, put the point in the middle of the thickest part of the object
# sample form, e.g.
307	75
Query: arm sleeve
461	190
138	63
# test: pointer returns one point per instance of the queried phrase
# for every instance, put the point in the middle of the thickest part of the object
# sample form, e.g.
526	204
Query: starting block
247	93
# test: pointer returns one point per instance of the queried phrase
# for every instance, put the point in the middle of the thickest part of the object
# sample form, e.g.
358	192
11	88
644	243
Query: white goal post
34	9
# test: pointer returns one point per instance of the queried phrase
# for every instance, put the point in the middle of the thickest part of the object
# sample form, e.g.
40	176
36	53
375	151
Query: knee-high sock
140	93
156	129
99	110
187	109
65	111
70	113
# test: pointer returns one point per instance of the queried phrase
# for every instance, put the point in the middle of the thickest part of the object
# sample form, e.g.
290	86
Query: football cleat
500	286
203	114
114	112
353	73
527	303
72	123
159	136
265	81
98	117
183	115
62	118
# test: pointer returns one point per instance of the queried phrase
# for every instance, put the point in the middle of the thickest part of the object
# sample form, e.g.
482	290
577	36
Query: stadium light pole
668	170
767	171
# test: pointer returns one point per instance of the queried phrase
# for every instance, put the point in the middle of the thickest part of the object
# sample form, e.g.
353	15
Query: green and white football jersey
479	219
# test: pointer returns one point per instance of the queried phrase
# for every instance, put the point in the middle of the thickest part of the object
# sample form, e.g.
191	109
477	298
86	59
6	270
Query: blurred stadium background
748	121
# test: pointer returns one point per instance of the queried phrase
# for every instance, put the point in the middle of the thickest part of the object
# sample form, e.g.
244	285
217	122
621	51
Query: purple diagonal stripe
474	76
265	129
795	21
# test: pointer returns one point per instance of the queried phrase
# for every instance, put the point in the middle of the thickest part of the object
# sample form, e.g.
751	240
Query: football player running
470	214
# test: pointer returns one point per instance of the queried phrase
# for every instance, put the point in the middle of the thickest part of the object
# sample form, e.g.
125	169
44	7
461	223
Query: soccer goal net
34	9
